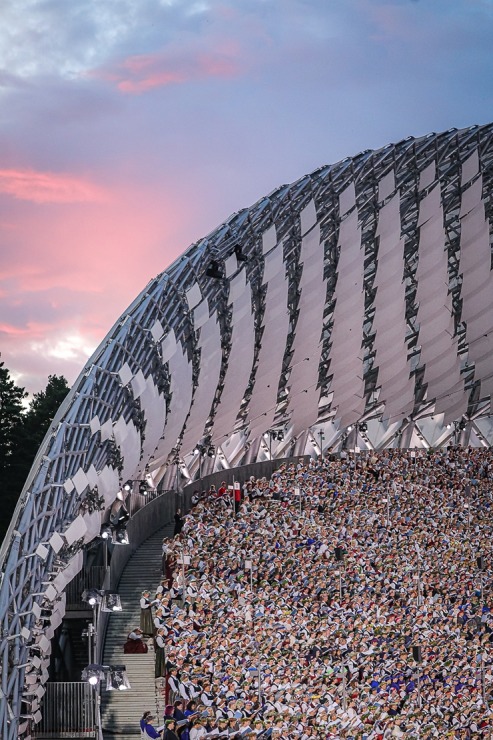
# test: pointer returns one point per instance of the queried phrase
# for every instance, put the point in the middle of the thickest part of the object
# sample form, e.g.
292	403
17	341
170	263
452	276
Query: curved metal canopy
354	305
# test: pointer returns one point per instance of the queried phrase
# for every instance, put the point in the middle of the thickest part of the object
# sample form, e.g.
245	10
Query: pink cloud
49	187
140	73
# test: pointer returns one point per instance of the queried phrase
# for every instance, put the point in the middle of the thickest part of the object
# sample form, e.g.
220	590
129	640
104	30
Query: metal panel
434	301
477	279
346	352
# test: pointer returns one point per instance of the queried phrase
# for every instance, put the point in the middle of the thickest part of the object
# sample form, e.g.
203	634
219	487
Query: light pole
322	437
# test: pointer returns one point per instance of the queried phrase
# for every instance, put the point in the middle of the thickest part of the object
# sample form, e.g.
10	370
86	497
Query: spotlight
106	532
128	485
121	537
143	488
111	602
363	427
91	596
93	673
214	270
117	678
349	429
211	451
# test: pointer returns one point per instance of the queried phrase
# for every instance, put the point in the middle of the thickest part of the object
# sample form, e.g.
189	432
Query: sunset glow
130	130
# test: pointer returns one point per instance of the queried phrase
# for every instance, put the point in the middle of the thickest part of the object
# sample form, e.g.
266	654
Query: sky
129	129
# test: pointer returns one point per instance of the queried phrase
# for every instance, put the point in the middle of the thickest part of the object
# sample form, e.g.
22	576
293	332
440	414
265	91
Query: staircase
122	710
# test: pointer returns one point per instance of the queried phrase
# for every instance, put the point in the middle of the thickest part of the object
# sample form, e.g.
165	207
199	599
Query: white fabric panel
68	485
74	566
201	315
274	264
210	368
262	407
471	197
153	407
308	217
194	296
346	350
239	364
427	176
93	524
125	374
306	343
157	331
470	168
94	425
386	186
80	481
347	199
180	370
435	302
429	207
106	430
92	476
75	531
231	265
237	286
477	289
129	444
138	384
168	346
108	484
269	239
120	431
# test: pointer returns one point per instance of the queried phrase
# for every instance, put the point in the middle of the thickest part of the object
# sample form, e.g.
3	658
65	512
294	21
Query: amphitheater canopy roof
355	301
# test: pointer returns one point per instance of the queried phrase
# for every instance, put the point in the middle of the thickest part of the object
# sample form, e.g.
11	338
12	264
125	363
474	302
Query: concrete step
122	710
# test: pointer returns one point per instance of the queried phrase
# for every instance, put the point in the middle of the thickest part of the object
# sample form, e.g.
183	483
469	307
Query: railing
69	710
92	577
137	501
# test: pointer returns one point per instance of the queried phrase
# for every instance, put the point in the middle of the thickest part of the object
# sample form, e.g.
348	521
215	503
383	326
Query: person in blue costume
150	730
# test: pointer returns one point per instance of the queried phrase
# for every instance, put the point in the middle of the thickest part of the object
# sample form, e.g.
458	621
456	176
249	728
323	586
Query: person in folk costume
150	730
174	681
160	649
159	618
170	730
146	623
143	722
197	730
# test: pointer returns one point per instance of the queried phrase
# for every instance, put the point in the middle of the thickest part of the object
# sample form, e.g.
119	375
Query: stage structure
353	308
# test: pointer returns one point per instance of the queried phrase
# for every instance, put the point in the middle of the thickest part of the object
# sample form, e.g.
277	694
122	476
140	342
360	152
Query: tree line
22	429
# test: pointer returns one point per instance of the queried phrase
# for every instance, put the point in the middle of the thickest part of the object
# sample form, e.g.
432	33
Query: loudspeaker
480	562
339	553
417	653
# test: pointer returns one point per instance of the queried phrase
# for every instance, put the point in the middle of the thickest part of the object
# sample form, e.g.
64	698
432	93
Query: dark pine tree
23	438
11	433
40	414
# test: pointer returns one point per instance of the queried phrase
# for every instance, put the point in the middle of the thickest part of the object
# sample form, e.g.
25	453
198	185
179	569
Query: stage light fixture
106	532
93	673
91	596
116	679
111	602
121	536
